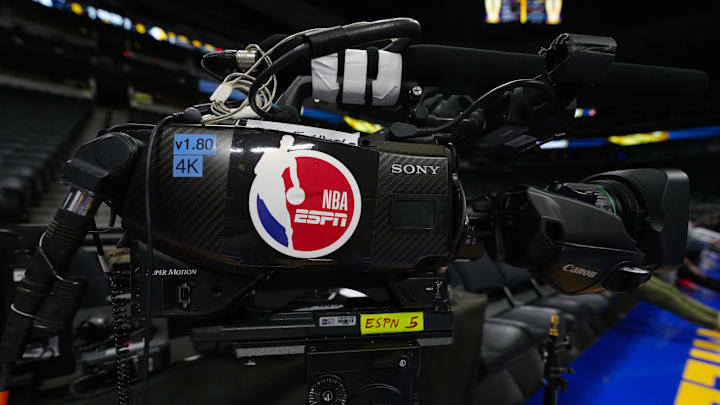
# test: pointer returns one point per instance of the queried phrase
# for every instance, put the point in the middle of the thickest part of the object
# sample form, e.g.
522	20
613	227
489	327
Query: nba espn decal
303	203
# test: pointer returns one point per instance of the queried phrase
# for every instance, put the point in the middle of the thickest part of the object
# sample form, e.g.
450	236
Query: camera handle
45	301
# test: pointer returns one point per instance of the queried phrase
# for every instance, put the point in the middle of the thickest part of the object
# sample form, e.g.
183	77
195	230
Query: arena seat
609	307
512	375
38	130
482	276
449	373
14	192
582	334
487	360
518	278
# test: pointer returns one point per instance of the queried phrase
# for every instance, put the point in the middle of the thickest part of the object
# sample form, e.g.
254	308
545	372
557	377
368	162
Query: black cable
96	237
209	71
699	279
463	214
130	125
149	264
534	83
279	64
119	324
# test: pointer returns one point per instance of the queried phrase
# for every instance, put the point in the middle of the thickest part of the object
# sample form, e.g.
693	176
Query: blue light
118	20
694	133
675	134
320	115
587	142
208	87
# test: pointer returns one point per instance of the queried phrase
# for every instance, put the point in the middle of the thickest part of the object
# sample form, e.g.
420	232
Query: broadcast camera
249	224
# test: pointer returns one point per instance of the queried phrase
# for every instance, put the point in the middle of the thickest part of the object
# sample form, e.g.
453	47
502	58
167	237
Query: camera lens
624	203
609	195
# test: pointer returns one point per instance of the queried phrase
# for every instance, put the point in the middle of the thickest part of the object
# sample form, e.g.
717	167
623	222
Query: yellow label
391	323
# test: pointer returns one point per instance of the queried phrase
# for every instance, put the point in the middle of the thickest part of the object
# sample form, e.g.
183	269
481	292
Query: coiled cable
243	81
120	325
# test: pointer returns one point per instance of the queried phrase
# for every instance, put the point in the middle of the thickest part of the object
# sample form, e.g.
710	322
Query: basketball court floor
650	357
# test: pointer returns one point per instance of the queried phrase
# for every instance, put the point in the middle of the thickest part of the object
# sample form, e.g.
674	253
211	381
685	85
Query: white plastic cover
386	88
320	133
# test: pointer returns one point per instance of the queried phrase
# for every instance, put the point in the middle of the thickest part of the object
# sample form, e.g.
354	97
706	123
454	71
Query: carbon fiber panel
187	212
394	249
412	176
394	174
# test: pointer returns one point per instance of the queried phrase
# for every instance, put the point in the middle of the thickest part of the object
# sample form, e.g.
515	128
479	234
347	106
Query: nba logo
303	203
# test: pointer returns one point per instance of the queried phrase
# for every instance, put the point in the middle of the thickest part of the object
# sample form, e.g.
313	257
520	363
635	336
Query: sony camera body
233	205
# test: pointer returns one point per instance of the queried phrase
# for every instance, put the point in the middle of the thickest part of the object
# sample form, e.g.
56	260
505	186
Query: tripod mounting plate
293	332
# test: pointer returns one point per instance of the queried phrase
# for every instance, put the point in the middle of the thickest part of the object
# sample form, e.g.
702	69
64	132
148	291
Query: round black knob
327	390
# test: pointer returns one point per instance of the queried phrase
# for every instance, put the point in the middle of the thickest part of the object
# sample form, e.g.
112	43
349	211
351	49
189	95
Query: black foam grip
651	82
469	71
328	41
337	38
475	71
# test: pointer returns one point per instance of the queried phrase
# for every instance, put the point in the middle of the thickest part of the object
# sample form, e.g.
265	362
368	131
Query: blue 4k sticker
188	152
187	166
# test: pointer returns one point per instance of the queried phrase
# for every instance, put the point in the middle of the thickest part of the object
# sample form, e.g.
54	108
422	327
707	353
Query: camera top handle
332	40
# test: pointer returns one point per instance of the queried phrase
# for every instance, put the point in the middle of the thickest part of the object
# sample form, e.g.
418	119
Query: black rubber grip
338	38
30	296
63	237
14	337
60	306
327	41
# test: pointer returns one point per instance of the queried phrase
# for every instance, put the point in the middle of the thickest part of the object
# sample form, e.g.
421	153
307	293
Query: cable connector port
184	296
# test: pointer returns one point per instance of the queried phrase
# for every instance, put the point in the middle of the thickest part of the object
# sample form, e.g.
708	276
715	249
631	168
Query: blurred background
71	68
107	62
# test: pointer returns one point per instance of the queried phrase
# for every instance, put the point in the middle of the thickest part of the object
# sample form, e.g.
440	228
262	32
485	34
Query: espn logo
314	217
